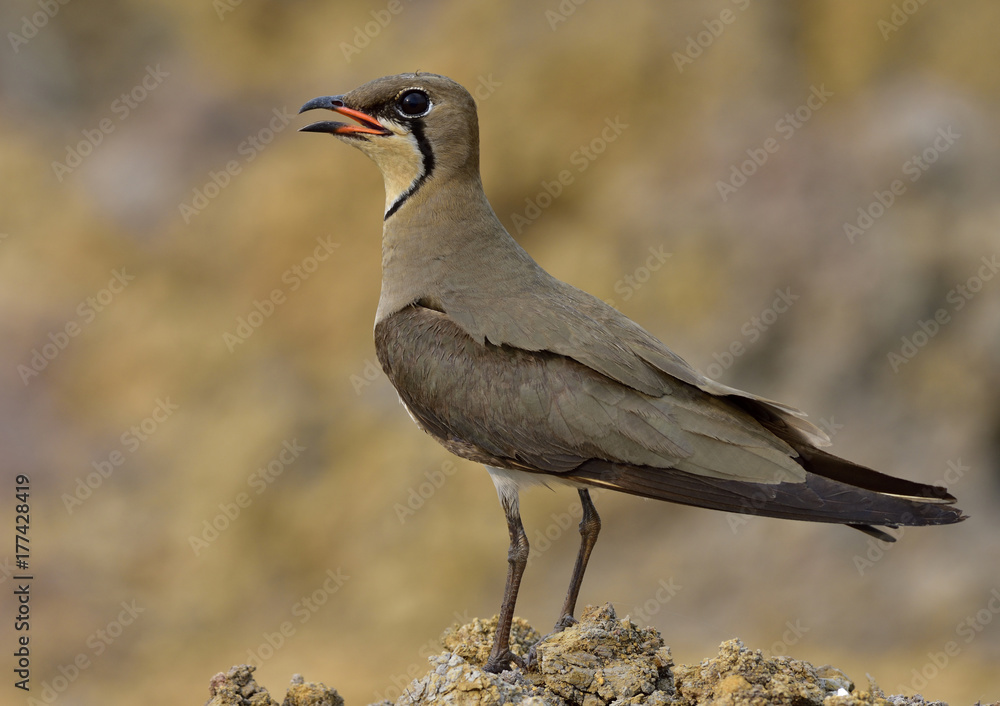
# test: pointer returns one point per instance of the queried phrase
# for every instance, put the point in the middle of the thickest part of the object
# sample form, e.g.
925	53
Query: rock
453	680
603	659
474	640
238	688
600	661
740	676
303	693
916	700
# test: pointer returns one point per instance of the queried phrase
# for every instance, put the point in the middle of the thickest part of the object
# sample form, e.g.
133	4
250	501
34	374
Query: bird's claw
502	662
567	621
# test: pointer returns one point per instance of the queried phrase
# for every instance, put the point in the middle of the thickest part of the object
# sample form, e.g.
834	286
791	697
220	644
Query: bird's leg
590	527
517	558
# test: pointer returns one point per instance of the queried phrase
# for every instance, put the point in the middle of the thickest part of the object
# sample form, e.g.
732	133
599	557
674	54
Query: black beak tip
327	102
322	126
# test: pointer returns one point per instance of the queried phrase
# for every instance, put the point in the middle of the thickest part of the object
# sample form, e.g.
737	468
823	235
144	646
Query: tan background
216	73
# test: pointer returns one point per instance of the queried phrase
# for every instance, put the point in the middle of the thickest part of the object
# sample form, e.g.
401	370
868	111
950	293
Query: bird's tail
836	491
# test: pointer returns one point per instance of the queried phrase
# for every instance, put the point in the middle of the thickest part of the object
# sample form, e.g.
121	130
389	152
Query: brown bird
505	365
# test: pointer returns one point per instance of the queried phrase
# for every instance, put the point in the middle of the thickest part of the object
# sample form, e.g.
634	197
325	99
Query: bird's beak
368	126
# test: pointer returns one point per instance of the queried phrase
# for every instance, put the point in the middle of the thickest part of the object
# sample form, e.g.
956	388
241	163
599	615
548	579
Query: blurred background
800	198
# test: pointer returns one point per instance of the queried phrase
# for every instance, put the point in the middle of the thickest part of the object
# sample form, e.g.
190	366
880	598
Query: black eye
413	104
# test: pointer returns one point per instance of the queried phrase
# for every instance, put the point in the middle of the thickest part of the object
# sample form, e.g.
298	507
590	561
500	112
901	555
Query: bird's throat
402	176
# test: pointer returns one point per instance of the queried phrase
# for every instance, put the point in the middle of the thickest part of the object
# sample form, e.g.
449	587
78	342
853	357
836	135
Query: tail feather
875	532
817	499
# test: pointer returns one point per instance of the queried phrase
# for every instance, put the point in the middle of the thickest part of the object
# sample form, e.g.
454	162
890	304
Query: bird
543	383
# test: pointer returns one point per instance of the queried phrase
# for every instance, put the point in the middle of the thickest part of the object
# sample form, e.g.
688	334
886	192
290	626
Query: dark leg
590	527
517	558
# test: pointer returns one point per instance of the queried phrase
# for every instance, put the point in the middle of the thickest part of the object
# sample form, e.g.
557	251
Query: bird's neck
442	241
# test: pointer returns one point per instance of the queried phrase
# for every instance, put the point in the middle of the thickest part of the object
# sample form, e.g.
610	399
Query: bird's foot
567	621
501	663
531	661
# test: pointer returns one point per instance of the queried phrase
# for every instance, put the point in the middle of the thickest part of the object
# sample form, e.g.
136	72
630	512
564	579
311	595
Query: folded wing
546	412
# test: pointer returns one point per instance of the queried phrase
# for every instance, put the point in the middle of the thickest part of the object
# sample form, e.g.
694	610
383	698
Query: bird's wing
545	314
546	412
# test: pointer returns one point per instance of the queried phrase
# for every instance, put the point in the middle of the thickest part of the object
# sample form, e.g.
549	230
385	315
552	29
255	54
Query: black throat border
417	128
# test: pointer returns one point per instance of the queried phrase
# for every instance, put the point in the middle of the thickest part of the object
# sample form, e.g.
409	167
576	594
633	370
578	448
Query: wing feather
533	406
550	413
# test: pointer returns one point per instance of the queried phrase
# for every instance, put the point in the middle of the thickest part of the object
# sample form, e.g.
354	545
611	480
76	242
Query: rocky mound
601	660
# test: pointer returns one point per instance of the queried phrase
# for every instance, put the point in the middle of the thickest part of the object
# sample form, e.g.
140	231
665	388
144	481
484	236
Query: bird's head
414	126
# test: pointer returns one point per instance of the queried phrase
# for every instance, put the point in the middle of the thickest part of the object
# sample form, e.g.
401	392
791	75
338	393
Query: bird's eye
413	104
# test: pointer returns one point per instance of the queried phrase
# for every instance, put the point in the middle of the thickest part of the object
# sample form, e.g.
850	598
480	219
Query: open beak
368	126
